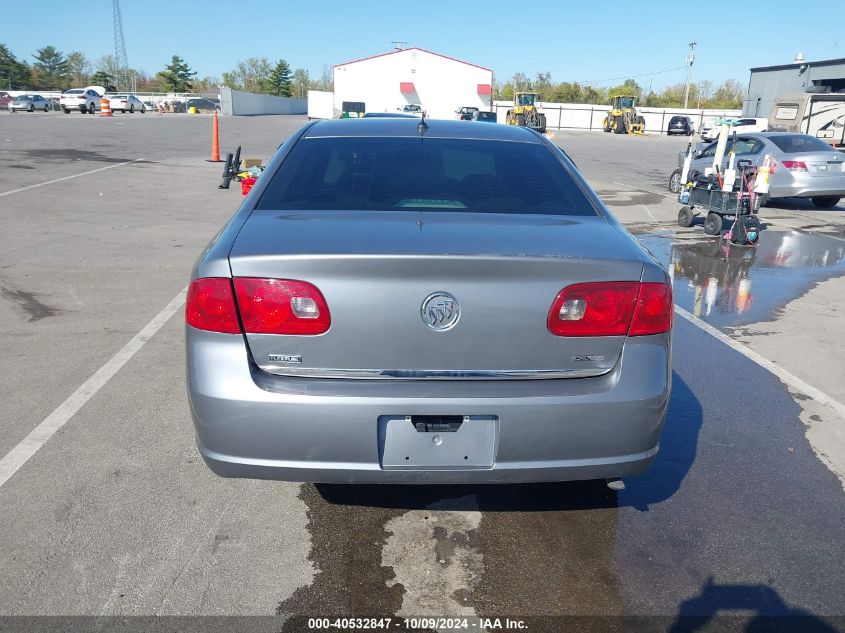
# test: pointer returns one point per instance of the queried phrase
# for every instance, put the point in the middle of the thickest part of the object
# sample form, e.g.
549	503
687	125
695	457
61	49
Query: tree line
52	70
702	94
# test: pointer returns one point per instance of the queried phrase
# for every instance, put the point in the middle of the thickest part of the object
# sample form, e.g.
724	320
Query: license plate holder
445	442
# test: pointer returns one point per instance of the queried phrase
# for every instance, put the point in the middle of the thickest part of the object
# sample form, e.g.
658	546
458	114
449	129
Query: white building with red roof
440	85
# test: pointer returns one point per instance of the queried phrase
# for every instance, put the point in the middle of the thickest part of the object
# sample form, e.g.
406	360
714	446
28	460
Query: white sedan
748	125
126	103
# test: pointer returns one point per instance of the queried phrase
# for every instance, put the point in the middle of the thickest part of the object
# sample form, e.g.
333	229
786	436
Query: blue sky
574	41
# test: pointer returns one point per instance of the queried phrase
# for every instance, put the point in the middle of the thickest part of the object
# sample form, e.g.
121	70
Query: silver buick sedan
407	301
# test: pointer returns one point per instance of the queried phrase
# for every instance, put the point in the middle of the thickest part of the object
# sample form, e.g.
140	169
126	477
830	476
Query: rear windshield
74	92
424	174
678	119
486	116
799	143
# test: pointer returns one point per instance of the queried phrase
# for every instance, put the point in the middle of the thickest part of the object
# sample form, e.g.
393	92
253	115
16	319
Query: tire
66	110
90	108
713	224
131	109
520	119
605	125
542	124
825	202
685	217
619	126
31	108
143	109
46	109
675	185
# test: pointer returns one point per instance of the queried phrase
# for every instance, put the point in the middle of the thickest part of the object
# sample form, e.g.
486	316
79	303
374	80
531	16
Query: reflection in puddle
730	285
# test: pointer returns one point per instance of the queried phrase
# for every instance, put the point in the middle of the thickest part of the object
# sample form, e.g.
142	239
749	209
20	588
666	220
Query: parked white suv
82	99
747	125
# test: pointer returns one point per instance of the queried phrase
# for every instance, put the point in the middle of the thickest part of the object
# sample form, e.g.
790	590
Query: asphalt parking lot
106	508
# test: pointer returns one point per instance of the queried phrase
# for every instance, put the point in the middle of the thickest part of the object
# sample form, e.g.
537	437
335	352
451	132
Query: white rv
817	114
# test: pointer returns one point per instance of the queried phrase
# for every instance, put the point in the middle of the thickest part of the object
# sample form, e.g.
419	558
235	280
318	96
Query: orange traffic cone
105	107
215	140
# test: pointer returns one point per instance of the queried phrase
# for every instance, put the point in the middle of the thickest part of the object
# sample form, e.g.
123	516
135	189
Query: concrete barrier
585	116
238	103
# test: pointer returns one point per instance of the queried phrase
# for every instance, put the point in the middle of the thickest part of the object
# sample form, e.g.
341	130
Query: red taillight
795	165
81	97
210	305
654	310
611	308
594	309
281	306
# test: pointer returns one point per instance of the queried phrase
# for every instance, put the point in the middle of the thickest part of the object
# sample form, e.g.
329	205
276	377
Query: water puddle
729	285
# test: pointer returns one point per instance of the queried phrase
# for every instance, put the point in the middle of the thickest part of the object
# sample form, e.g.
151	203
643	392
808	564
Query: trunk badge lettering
588	357
440	311
285	358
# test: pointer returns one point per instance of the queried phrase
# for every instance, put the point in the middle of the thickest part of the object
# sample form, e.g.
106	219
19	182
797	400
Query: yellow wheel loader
525	112
623	117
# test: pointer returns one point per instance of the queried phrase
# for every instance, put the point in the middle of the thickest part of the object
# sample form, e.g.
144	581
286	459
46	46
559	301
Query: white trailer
818	114
320	105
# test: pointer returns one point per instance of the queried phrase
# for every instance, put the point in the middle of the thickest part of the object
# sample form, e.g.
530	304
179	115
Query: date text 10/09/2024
423	623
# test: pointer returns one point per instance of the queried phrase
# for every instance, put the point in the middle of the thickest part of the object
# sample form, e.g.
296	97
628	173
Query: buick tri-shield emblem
440	311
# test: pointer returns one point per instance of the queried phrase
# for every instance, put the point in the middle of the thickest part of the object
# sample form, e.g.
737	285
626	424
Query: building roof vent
799	58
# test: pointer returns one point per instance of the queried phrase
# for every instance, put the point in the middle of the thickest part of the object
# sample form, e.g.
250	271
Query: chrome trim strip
437	374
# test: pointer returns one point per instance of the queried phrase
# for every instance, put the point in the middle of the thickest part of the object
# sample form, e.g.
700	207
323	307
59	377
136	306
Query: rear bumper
785	184
252	424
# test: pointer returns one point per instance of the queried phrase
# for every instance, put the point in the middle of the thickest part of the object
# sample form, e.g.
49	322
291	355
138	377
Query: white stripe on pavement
50	182
790	379
42	433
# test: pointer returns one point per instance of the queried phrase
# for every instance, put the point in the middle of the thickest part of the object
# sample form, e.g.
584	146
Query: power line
658	72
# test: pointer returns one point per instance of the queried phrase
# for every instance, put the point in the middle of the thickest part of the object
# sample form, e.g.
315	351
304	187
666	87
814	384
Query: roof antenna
422	128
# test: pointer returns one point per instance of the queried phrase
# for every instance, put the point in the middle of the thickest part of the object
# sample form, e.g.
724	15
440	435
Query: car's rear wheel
132	109
46	109
143	109
825	202
66	110
685	217
713	224
31	108
90	108
675	181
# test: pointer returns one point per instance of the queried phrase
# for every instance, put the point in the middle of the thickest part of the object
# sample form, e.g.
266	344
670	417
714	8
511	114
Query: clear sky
575	41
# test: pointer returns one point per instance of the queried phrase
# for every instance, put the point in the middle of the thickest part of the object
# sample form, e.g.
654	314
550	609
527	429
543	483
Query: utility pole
689	62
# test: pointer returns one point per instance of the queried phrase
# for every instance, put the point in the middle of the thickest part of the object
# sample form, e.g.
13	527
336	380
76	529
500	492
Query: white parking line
651	215
42	433
55	180
790	379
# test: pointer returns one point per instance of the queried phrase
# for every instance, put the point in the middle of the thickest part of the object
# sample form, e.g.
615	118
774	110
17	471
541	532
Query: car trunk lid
377	269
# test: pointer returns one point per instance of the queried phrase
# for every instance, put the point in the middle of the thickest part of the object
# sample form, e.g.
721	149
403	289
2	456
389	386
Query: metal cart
706	194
